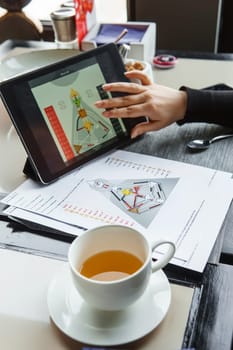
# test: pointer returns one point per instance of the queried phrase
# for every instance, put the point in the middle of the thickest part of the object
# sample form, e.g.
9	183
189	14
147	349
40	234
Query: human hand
160	104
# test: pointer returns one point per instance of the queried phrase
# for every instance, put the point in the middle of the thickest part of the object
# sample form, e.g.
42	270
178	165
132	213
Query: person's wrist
182	105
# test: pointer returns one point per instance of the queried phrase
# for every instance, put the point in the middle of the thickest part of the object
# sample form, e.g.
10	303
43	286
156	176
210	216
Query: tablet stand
29	171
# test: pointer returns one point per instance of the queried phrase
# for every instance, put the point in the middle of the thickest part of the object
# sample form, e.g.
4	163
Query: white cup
115	294
143	66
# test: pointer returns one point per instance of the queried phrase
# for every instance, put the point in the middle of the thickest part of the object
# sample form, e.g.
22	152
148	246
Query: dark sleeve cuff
209	106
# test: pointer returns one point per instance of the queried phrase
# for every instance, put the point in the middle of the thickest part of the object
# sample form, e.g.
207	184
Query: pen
120	36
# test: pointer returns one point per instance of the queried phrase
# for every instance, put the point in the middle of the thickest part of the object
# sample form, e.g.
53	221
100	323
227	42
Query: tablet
52	109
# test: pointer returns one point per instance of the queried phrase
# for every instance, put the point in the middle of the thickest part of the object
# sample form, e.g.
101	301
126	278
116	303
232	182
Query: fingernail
107	114
134	135
105	86
98	103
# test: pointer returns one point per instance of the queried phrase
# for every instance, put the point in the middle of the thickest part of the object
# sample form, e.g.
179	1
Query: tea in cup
111	265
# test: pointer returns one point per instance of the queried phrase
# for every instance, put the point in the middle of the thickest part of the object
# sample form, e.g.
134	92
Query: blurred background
184	25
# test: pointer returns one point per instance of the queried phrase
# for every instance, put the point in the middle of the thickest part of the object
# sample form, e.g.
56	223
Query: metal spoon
204	144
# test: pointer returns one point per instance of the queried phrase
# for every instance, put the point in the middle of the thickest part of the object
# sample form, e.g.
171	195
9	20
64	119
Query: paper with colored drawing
162	198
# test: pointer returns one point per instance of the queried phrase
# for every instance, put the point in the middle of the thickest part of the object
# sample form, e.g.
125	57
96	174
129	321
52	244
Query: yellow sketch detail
82	113
126	191
78	148
88	125
73	93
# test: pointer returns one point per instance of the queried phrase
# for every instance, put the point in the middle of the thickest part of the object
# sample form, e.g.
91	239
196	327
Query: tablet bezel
17	97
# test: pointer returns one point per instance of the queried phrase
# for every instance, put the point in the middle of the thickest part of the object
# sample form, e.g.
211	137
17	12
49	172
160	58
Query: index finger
130	88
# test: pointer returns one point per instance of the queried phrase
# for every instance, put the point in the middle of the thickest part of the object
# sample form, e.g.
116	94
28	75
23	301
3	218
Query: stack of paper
161	198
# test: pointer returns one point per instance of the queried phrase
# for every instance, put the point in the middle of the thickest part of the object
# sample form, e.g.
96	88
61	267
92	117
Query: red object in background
164	61
82	8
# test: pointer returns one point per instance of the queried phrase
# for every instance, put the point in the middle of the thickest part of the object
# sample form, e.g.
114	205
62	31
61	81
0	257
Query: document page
161	198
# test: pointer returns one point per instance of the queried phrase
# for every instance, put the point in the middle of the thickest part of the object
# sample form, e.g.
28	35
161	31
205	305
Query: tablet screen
54	113
66	102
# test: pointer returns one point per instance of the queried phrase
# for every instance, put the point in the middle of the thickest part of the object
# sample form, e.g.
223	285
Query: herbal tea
110	265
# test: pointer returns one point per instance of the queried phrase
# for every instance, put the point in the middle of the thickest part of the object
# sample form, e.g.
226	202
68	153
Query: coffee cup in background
64	26
111	265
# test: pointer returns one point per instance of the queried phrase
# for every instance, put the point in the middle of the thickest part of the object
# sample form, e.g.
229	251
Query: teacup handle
164	260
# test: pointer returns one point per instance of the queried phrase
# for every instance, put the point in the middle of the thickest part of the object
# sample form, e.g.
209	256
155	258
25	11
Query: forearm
208	106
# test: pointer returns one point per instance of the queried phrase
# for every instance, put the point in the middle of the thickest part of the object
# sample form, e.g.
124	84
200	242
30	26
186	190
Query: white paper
162	198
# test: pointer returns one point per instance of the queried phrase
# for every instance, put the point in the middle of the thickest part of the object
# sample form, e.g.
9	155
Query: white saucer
106	328
28	61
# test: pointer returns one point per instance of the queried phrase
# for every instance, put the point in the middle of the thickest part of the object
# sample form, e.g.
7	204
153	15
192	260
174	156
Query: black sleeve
209	106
